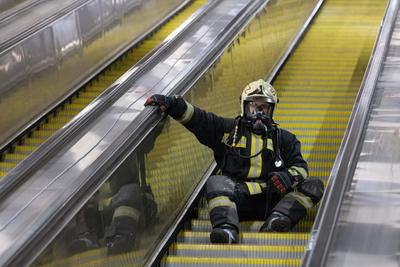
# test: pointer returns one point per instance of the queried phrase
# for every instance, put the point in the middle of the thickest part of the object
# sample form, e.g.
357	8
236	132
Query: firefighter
119	212
262	172
127	208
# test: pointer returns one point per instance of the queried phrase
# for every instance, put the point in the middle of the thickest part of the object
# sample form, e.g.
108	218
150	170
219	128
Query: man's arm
206	126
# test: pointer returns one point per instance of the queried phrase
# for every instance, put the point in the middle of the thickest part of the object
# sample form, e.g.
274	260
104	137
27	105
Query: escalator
75	104
61	175
317	88
174	160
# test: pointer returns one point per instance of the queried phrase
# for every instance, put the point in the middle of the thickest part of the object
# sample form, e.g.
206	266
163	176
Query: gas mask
259	116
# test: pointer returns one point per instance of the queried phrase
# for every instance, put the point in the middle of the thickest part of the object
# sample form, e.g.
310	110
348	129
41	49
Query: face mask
258	117
258	123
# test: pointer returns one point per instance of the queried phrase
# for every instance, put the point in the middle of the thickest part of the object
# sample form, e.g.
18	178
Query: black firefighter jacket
213	131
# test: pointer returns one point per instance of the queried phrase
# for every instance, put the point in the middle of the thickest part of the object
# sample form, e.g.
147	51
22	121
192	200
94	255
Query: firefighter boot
224	234
120	235
276	222
85	233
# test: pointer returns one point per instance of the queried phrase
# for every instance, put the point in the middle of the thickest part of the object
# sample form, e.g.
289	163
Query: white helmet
260	91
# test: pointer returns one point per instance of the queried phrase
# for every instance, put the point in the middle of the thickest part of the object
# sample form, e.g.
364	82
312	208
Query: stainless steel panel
39	63
39	52
89	17
12	74
83	40
12	68
107	8
132	4
66	36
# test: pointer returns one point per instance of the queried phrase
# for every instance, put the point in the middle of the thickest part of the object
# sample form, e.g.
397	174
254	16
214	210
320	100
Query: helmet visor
257	108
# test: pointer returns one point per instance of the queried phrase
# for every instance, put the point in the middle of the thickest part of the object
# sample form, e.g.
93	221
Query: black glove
280	182
172	105
163	101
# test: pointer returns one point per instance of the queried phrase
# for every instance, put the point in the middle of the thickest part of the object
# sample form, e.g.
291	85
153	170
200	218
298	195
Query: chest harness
271	131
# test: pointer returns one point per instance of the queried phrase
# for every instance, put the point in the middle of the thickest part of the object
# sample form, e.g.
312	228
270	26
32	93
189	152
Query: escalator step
248	226
199	261
203	214
235	251
267	239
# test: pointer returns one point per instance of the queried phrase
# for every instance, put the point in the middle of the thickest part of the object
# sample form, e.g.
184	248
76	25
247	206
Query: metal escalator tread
268	239
89	92
317	89
247	251
243	261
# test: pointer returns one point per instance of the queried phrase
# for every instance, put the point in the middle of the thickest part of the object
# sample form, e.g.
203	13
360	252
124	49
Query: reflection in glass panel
108	9
118	218
66	35
132	4
39	51
89	17
11	68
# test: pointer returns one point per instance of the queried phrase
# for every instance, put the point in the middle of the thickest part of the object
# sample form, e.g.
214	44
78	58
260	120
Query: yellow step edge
307	93
265	248
299	108
13	156
314	126
300	119
4	164
316	140
24	148
34	141
320	112
232	261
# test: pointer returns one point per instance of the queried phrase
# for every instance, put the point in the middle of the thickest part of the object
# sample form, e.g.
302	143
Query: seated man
119	212
263	174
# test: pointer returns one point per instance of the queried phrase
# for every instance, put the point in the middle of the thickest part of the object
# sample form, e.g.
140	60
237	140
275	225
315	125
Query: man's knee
220	191
128	195
219	185
312	188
